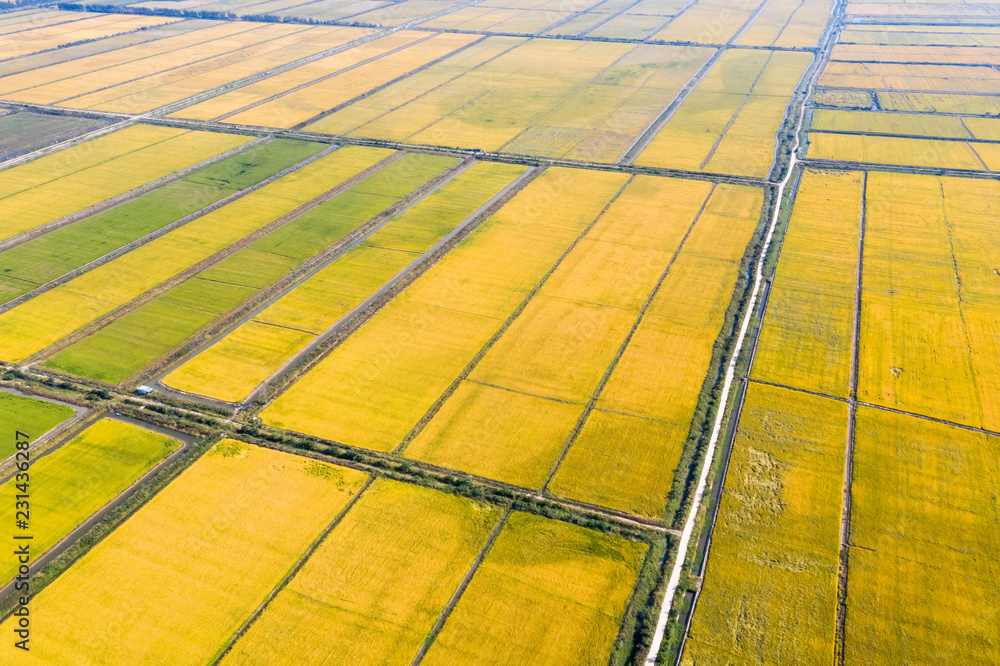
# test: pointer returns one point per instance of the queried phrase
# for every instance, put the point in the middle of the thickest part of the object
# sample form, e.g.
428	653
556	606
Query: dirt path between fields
852	402
689	526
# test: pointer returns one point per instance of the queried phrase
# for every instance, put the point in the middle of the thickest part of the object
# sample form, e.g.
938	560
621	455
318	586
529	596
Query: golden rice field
931	35
278	46
173	583
924	561
49	84
901	151
924	9
231	368
375	587
907	124
787	23
482	17
80	477
708	22
728	124
538	376
579	100
927	341
29	328
300	95
911	77
86	174
484	327
547	593
807	337
938	55
649	400
939	103
386	376
770	591
45	37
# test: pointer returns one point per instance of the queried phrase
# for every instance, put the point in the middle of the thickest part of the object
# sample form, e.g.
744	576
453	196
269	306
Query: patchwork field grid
517	332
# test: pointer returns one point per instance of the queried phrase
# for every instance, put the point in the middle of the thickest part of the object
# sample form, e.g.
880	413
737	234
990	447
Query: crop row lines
313	547
483	156
450	607
304	362
603	382
207	337
125	197
884	408
215	258
464	374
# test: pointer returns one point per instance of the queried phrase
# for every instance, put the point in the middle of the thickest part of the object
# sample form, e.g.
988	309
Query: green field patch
27	266
208	295
324	225
230	369
125	346
251	268
130	342
33	417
